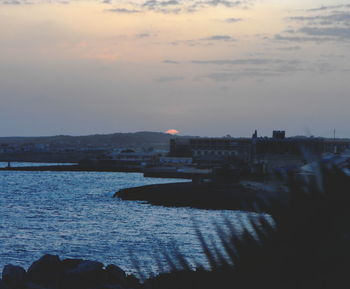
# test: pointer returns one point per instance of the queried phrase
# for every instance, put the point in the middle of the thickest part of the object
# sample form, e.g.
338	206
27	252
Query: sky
202	67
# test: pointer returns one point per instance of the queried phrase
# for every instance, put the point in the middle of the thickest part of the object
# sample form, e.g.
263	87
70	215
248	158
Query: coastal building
260	153
336	146
211	149
180	147
279	144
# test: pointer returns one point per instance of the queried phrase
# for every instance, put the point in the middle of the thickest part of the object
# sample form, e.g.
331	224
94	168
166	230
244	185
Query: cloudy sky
203	67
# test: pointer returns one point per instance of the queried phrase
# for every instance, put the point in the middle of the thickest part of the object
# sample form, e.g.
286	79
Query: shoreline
212	196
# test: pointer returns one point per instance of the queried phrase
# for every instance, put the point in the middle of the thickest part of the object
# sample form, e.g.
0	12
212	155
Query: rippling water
73	214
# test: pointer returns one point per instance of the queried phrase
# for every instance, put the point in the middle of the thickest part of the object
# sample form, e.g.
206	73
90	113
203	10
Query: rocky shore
50	272
218	196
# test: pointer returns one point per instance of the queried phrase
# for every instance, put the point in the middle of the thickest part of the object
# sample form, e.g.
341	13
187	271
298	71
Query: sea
74	215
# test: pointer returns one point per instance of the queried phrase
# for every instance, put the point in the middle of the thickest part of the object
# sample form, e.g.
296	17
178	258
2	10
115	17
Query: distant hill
137	139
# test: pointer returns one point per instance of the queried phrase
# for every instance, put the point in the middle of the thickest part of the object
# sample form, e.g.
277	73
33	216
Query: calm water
73	214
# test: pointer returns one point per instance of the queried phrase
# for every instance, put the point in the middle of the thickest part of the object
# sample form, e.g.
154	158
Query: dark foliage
306	247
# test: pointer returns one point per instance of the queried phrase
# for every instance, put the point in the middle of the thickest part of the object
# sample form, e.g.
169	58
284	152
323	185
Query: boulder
45	271
114	275
132	282
85	267
3	285
14	274
70	264
86	274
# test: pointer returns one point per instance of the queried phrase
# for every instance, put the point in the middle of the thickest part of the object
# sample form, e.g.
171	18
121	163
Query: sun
172	131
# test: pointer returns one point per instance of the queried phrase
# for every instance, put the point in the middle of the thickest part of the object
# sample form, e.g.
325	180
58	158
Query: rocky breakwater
50	272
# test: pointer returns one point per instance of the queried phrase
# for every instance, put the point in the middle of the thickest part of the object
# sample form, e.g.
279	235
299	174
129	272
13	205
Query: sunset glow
172	131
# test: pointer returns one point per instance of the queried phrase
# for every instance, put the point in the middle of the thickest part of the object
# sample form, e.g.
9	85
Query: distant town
164	155
77	148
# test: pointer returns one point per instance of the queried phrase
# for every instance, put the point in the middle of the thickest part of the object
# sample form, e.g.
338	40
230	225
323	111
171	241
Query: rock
49	272
86	267
13	274
86	274
132	282
46	271
70	264
115	275
3	285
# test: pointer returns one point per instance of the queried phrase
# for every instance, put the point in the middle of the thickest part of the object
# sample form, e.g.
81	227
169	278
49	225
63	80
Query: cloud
289	48
13	2
160	6
324	25
218	38
225	3
170	6
334	32
183	6
326	8
261	68
268	72
168	61
236	75
123	10
247	61
316	34
206	41
154	4
199	4
334	18
233	20
144	35
301	39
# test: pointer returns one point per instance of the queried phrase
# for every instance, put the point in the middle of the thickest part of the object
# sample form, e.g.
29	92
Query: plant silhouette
307	245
